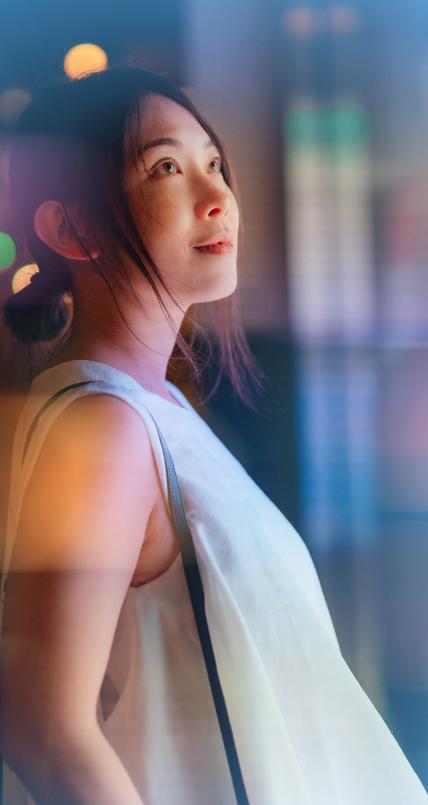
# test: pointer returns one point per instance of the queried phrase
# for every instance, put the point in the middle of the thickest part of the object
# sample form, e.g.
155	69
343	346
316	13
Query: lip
216	248
221	238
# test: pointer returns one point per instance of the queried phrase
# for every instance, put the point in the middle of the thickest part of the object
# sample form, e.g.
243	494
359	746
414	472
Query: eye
217	161
166	163
169	168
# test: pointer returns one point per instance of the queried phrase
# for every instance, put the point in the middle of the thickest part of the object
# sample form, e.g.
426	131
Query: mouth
215	247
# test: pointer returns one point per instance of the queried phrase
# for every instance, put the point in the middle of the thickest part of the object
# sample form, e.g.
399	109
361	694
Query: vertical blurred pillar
230	73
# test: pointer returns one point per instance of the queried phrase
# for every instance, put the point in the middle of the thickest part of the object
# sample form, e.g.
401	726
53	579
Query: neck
100	334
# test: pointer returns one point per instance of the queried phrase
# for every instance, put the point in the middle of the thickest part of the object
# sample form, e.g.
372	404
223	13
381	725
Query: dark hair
68	145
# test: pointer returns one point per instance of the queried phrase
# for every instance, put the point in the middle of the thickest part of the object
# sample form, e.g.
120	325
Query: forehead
162	116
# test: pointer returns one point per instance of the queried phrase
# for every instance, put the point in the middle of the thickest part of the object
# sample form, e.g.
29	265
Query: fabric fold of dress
305	731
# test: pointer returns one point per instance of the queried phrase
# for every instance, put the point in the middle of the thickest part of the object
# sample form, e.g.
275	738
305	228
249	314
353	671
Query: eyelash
172	161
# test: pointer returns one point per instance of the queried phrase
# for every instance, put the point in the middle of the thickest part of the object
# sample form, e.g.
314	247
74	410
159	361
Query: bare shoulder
101	421
95	476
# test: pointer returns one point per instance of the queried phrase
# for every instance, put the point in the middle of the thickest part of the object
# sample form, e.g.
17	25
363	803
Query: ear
52	227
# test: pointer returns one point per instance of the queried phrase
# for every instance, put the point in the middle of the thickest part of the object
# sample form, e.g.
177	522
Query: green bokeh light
343	126
7	250
302	126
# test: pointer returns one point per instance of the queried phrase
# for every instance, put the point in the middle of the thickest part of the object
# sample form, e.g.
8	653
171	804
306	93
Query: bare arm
82	769
81	528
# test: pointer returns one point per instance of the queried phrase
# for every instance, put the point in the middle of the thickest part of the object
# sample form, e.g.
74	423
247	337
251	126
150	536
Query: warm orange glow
83	59
22	276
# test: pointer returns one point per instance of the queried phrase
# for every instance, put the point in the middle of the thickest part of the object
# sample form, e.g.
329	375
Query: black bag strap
196	592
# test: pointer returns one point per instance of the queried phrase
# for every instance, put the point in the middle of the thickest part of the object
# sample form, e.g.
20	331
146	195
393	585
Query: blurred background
323	107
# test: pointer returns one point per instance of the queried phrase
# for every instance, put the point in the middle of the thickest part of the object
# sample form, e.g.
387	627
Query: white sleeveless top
305	731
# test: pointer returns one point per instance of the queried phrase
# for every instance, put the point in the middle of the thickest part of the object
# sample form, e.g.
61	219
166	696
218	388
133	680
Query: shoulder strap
196	592
43	409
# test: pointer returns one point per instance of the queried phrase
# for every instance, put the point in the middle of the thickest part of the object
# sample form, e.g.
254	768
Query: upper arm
79	535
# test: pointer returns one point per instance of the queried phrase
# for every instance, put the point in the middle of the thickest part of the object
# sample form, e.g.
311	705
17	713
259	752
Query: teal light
345	126
7	250
302	126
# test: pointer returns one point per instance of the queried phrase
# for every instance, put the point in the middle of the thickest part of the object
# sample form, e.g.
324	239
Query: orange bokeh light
84	59
22	276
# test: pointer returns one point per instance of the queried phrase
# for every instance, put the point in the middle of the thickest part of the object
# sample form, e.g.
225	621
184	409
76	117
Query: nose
215	203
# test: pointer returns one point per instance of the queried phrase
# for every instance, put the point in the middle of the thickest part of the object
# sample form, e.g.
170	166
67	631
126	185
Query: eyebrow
168	141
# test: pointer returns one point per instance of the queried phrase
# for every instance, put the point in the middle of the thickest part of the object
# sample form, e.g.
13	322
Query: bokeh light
12	103
7	250
344	18
84	59
302	124
22	276
300	22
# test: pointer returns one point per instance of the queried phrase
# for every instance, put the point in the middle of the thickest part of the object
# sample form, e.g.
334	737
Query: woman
105	696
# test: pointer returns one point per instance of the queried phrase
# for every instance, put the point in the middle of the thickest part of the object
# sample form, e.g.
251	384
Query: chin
220	289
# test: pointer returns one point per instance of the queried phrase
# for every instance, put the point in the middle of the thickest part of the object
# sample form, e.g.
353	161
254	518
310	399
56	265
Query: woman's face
180	200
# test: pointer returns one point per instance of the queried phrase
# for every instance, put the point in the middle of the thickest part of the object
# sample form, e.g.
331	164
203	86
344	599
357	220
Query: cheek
160	212
235	209
165	232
